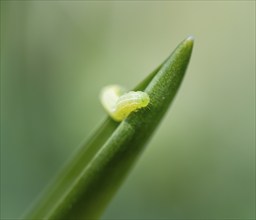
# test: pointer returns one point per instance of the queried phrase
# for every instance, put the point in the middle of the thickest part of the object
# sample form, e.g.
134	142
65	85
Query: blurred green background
55	58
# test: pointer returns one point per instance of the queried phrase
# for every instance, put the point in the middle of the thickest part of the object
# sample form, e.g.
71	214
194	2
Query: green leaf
95	172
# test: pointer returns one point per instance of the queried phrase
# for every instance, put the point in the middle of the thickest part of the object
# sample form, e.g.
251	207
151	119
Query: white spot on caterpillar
119	104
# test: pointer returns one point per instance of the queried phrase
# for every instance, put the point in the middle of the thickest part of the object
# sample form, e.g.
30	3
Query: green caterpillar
120	104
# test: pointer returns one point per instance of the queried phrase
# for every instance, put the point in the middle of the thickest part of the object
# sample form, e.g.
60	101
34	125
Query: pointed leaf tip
189	41
190	38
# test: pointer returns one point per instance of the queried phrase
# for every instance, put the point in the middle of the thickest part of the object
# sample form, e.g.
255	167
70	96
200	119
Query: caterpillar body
119	104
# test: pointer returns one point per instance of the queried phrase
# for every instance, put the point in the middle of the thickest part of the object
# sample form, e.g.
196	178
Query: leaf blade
95	180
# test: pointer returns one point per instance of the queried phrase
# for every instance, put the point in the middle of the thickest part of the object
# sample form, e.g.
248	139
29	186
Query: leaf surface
95	172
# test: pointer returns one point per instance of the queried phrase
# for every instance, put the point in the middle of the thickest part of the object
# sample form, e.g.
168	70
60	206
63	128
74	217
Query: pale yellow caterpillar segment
130	102
119	104
109	96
